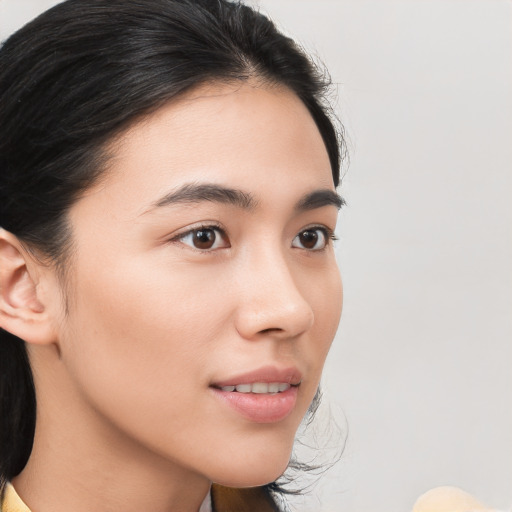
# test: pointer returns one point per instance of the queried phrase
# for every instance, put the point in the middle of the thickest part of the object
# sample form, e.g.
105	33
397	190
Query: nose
270	302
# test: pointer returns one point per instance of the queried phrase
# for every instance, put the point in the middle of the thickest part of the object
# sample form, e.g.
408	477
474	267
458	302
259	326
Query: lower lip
260	408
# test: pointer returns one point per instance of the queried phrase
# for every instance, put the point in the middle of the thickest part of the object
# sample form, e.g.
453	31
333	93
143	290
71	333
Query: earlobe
22	312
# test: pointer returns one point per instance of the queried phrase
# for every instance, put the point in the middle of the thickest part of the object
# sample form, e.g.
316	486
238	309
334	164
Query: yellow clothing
11	502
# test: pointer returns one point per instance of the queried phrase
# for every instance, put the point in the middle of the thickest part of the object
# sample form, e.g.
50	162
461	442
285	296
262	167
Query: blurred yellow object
448	499
11	502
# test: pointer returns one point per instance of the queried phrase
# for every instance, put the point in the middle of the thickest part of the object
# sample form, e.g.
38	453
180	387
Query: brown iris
204	238
309	238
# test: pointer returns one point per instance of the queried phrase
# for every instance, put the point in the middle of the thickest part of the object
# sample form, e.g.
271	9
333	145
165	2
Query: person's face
180	287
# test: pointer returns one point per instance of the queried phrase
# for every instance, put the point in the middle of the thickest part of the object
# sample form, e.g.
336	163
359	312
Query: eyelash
203	227
327	233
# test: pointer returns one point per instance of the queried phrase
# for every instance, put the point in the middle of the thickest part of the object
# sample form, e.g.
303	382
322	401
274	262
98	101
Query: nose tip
275	307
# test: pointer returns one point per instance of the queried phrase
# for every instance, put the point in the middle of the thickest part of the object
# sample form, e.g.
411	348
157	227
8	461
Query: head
168	174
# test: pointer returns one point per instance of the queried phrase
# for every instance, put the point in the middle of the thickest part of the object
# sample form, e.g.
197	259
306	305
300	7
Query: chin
253	471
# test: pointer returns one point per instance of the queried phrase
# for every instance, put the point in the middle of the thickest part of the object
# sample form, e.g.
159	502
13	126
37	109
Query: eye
205	238
312	239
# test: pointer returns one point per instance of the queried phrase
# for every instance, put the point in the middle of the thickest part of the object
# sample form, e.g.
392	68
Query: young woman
169	292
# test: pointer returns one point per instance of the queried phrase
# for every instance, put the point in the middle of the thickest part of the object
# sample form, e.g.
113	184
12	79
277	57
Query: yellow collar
11	502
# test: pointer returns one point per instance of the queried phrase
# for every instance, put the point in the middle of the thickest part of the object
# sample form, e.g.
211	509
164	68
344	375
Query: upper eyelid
329	231
186	231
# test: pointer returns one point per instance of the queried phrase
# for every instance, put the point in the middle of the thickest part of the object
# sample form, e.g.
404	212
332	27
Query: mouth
267	395
259	388
268	379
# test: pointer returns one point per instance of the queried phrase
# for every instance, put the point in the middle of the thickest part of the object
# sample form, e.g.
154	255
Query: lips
266	395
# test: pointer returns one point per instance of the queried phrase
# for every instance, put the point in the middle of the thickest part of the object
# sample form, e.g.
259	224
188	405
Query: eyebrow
192	193
320	198
195	193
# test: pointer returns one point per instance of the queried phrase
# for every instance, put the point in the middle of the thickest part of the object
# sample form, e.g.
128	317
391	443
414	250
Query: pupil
309	239
204	238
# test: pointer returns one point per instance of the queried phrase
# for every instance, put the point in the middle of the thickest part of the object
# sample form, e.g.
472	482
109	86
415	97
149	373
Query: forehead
245	135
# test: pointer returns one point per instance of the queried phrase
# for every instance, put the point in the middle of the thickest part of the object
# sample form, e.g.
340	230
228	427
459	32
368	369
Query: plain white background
421	369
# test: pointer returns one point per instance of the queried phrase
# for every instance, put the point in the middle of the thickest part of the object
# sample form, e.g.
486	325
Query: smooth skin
153	311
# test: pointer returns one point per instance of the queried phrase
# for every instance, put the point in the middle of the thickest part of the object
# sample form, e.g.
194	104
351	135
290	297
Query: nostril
274	311
271	329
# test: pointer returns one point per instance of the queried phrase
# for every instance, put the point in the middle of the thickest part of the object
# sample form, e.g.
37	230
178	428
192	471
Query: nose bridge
271	301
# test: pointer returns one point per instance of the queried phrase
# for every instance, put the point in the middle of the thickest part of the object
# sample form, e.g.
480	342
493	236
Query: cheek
327	302
326	299
151	307
140	341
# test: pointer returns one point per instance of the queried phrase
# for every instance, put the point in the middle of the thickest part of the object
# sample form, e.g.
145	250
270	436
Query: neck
80	461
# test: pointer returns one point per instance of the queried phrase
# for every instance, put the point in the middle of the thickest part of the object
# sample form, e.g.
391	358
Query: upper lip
268	374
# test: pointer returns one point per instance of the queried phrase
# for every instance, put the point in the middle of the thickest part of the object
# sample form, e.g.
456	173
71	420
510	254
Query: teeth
274	387
258	387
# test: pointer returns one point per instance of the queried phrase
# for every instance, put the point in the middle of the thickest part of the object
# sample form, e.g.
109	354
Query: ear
22	309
